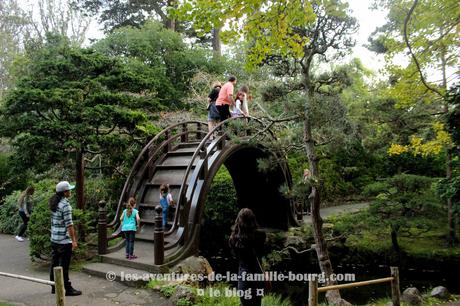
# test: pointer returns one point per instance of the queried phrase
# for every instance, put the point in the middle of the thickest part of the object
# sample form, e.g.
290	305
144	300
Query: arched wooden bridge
187	157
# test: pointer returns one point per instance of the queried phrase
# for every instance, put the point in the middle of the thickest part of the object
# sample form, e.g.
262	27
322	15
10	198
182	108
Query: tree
115	14
73	101
162	51
428	31
400	202
294	33
13	22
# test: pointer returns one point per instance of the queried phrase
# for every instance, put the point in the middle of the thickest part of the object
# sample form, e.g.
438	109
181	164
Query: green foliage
333	183
69	99
375	188
221	208
275	300
367	238
184	302
210	299
10	179
9	214
162	52
39	225
402	201
168	290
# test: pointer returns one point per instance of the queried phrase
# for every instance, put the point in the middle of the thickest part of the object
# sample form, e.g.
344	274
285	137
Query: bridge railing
154	149
221	133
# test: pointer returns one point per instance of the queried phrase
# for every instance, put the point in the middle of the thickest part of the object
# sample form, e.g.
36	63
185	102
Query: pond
423	279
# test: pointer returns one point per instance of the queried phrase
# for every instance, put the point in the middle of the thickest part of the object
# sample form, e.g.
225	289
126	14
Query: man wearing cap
63	238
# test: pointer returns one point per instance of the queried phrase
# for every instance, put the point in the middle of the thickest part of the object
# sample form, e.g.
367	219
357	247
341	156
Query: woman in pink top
225	98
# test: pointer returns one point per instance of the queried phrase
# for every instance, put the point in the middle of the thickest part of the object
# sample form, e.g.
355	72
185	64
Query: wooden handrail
313	289
58	283
127	186
357	284
202	147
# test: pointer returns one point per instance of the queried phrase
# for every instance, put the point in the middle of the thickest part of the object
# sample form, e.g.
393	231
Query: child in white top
239	105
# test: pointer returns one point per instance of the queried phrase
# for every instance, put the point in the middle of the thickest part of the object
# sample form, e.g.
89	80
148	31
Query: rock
182	293
412	296
195	266
440	292
343	302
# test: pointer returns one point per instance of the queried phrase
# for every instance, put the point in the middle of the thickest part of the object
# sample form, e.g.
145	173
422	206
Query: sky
368	21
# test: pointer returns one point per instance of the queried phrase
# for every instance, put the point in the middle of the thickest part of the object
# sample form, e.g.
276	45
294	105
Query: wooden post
204	167
199	134
59	286
184	138
158	237
102	229
313	292
221	143
167	148
395	293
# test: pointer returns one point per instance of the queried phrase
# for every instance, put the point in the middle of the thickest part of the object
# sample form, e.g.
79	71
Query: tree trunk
216	44
394	240
451	232
80	191
171	23
333	296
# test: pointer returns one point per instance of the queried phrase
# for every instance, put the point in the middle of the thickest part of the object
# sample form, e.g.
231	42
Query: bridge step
184	150
180	159
145	261
166	176
100	269
190	144
174	166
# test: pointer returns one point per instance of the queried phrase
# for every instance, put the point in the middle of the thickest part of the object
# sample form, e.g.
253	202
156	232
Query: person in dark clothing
244	241
63	237
25	209
213	112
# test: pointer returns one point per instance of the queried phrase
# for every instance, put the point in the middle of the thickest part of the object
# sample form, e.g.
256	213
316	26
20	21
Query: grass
427	301
219	294
363	235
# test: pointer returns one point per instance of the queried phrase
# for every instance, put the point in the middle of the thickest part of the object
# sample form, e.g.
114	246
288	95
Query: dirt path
340	209
14	258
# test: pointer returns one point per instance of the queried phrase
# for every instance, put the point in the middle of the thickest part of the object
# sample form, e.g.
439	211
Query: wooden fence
58	283
313	289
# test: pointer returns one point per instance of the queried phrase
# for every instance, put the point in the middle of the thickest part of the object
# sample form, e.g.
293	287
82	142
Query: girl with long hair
244	240
25	209
129	223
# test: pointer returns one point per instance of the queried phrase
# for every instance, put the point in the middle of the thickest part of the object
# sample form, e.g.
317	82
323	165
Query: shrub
9	216
220	211
39	225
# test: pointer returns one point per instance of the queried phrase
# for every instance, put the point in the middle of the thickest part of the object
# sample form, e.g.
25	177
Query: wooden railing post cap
101	203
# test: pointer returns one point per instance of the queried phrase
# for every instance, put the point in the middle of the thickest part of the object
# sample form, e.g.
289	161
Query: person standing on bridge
166	200
63	237
244	241
213	113
246	98
225	98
